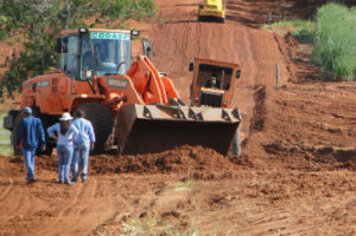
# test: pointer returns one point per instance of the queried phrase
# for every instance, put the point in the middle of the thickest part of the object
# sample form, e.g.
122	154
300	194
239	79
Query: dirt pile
196	162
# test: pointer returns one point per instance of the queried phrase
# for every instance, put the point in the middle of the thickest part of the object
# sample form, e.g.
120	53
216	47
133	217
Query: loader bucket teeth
144	129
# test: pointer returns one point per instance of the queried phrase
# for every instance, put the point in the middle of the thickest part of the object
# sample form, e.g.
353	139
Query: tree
40	21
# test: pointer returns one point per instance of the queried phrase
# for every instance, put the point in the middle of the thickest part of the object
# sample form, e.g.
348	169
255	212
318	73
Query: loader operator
89	60
95	62
98	54
212	82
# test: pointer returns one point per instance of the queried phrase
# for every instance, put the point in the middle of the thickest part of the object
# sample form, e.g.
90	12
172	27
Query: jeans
30	162
81	155
65	153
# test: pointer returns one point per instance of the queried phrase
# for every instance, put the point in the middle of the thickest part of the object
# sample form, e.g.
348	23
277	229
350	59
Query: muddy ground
296	175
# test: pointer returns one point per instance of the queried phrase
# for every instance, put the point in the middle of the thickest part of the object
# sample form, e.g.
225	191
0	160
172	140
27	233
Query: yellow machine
212	10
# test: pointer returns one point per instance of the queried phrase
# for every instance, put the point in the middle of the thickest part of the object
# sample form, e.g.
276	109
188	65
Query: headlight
83	30
117	83
135	33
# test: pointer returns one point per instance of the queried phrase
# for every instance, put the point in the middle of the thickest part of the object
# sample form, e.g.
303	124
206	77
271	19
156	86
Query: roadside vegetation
333	35
335	41
37	23
5	147
155	225
302	29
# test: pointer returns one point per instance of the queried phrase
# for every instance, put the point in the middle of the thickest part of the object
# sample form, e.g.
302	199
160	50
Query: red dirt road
296	175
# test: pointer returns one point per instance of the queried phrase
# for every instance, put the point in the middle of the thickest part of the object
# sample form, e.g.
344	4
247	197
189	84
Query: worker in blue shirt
82	145
65	133
30	135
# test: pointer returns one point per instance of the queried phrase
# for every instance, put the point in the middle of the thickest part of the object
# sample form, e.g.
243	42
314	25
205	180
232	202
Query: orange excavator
129	102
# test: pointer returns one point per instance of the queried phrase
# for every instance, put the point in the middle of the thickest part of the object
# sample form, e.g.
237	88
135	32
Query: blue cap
27	110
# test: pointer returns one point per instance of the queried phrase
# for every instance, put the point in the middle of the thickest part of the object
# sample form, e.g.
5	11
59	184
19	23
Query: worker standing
82	145
65	133
30	134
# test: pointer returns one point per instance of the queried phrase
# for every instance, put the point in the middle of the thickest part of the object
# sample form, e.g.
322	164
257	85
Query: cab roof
76	31
217	63
213	2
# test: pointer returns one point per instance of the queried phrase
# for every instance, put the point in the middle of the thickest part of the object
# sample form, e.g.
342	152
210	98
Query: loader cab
88	52
213	82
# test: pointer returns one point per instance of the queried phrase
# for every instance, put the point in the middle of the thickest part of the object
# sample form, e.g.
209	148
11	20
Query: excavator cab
213	82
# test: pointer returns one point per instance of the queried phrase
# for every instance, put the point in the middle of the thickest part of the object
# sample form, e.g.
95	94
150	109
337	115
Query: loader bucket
144	129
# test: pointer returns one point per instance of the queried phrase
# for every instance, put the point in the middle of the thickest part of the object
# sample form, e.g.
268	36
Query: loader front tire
236	143
102	121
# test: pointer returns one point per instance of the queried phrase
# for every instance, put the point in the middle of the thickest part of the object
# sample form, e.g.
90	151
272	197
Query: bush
335	41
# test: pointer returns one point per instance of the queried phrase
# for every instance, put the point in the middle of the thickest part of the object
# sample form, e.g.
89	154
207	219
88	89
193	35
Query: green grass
152	225
299	28
181	186
162	20
140	226
335	41
5	150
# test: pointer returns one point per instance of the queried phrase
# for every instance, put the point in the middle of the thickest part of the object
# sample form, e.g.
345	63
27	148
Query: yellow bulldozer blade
154	128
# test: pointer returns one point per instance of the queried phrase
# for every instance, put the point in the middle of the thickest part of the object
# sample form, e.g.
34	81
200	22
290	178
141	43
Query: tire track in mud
259	110
18	206
7	190
57	224
94	205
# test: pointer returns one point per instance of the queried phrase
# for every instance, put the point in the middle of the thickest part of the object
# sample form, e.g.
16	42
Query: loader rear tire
102	121
14	135
47	121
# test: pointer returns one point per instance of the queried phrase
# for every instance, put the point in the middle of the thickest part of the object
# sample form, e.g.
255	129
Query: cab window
68	61
223	76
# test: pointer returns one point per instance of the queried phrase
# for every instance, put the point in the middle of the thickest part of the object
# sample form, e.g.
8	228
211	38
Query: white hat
66	116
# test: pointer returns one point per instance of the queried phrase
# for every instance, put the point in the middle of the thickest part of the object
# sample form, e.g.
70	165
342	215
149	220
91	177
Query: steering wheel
119	66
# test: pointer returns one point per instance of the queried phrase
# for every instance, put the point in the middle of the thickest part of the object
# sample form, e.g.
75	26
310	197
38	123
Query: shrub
335	41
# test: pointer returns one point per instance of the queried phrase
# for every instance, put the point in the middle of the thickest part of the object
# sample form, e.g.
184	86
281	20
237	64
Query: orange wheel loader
129	102
213	85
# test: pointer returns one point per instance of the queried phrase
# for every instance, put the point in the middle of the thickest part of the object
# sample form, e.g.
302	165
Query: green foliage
39	23
299	28
124	9
335	44
162	21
